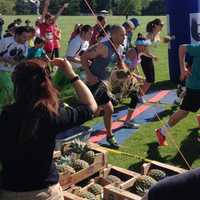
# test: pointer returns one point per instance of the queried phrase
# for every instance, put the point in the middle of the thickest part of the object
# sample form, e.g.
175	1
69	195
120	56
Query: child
38	50
132	59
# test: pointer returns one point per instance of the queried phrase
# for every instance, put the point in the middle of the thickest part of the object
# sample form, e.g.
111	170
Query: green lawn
143	143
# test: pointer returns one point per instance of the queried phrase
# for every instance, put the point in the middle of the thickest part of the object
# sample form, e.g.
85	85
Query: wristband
76	78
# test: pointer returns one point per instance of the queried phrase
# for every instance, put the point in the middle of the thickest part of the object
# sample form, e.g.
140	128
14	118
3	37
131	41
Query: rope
162	123
127	154
107	36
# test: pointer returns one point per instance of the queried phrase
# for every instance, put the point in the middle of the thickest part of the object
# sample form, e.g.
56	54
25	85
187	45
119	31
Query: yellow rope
162	123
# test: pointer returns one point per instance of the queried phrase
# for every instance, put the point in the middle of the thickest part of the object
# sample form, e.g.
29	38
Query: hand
65	65
46	3
155	58
66	5
185	73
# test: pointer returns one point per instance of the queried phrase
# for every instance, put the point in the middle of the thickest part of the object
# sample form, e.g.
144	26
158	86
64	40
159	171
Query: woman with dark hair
153	30
28	129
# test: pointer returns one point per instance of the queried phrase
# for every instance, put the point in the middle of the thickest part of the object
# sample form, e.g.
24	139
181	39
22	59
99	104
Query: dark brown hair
33	91
150	26
33	87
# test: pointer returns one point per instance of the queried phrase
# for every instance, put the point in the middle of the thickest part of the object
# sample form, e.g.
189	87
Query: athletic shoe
114	101
113	142
161	138
141	100
177	101
131	125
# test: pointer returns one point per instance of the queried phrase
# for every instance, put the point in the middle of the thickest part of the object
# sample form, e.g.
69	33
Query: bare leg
145	87
177	116
129	115
108	111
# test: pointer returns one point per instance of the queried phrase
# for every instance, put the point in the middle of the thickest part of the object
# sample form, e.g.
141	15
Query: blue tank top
101	67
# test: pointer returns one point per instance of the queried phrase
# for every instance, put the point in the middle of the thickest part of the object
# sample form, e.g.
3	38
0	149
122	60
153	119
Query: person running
191	98
132	59
46	27
29	127
96	62
130	25
12	51
78	45
101	22
153	30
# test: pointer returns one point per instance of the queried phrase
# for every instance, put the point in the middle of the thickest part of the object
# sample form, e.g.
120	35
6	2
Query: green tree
156	7
23	7
74	8
84	8
7	7
127	7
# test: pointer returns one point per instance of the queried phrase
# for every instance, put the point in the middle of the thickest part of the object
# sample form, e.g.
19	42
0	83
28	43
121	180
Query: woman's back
27	161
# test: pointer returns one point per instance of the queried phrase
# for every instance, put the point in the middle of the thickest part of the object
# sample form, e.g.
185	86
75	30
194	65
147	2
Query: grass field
143	143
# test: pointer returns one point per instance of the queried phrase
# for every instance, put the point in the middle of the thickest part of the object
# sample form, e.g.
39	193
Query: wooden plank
114	193
69	196
127	176
100	162
56	154
168	169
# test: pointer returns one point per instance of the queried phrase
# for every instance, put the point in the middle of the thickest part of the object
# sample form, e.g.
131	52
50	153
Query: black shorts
191	100
100	93
148	69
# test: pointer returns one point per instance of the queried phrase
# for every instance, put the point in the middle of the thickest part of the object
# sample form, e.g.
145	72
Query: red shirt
47	32
96	31
56	37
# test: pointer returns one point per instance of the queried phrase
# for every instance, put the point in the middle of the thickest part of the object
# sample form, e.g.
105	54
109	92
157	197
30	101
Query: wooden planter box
69	196
170	170
114	193
56	154
66	180
127	176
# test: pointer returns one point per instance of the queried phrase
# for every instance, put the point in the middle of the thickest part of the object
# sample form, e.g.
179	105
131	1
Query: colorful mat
143	114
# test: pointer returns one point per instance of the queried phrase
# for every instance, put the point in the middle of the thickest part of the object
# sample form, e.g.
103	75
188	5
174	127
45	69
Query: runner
190	101
96	62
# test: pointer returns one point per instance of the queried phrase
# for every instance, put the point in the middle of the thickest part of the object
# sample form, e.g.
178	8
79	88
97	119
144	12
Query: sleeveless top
101	67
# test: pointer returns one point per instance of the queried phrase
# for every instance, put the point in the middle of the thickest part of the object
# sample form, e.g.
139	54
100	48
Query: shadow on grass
190	148
136	167
164	113
163	85
153	152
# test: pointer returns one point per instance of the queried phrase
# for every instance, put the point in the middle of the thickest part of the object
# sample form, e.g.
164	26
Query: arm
74	59
147	53
184	72
92	53
45	9
73	48
84	94
60	11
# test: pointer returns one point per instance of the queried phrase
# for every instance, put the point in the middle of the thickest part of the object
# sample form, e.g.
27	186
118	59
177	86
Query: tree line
78	7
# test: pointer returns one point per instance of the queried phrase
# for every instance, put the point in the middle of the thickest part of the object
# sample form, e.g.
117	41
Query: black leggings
55	53
134	99
148	69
